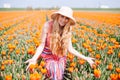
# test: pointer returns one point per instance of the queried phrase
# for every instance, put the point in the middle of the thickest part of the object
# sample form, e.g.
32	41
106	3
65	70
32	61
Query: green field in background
96	9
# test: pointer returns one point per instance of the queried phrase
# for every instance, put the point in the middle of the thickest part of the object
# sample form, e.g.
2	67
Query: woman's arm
75	52
42	44
39	50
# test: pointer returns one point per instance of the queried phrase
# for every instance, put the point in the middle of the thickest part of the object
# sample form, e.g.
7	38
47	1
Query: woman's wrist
34	59
86	58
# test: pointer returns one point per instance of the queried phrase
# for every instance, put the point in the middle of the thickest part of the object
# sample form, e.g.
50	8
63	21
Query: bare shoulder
46	26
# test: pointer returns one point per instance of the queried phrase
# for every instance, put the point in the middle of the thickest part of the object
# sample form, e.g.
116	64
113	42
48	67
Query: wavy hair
59	38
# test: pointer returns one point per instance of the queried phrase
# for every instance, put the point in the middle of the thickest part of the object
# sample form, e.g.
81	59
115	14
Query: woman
56	42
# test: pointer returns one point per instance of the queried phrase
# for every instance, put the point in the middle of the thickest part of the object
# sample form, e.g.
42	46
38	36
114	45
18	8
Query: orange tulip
23	77
81	61
94	66
10	61
90	49
110	52
38	76
31	51
2	67
119	54
44	70
16	42
32	67
32	77
97	62
118	70
39	67
3	53
18	51
97	56
35	76
113	76
42	63
97	73
74	40
70	56
8	77
73	64
5	62
71	69
118	76
110	66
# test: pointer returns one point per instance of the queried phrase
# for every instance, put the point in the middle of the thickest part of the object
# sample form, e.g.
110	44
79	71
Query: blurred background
48	4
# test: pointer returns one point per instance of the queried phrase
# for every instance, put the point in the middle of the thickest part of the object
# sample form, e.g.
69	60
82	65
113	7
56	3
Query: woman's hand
30	61
90	61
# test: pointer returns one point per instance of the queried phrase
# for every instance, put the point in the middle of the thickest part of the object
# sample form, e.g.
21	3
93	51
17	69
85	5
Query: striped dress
55	65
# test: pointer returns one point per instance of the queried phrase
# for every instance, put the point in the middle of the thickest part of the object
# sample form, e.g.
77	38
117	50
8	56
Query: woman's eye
62	16
67	18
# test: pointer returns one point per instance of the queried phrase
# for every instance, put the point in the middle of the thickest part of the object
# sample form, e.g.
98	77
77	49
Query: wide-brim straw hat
65	11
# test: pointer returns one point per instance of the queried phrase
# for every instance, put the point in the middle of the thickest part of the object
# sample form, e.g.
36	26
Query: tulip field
96	34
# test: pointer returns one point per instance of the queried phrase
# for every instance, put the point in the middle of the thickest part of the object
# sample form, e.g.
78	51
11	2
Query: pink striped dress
55	65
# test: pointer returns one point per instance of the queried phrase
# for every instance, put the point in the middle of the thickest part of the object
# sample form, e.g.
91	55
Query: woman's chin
62	25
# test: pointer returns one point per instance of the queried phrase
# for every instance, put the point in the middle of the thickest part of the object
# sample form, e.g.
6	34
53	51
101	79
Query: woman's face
62	20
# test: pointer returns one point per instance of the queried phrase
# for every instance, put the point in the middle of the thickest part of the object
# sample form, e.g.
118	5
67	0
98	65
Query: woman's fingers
27	61
91	64
30	61
93	58
91	61
28	67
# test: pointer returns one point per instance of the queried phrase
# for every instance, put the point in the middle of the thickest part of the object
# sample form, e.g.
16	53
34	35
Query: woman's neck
61	27
61	30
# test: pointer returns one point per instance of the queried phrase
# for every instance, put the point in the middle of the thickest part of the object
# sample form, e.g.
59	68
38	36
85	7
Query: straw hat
65	11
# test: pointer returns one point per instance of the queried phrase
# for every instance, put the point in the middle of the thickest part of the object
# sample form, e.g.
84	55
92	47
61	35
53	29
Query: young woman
56	42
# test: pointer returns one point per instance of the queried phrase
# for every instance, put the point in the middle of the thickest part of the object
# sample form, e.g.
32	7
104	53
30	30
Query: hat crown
66	10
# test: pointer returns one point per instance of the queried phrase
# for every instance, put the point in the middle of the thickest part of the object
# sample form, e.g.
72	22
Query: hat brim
55	14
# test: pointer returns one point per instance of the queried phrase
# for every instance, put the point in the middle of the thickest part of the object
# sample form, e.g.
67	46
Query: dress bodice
47	42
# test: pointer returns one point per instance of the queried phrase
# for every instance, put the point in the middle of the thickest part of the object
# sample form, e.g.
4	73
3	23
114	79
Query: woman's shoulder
47	25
